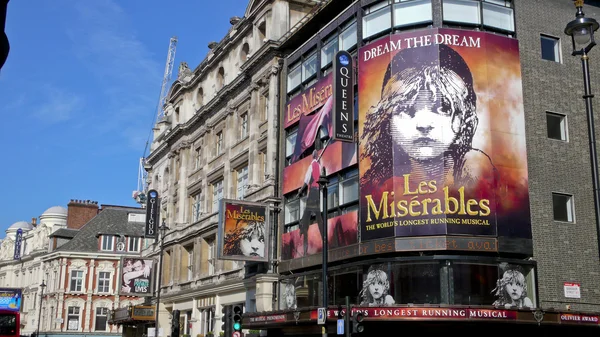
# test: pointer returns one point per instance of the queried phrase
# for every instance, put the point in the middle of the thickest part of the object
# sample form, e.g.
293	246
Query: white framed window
462	11
104	282
212	255
349	187
562	205
550	47
219	142
73	318
244	125
498	14
190	261
348	36
330	47
207	317
107	242
241	182
294	77
101	319
134	244
309	66
76	281
412	12
377	19
556	125
290	142
217	194
196	207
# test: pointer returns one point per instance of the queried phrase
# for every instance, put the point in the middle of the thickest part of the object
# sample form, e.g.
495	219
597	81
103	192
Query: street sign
340	326
321	316
236	334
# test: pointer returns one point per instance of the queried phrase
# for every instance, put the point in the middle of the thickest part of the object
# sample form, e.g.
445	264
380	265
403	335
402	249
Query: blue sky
79	90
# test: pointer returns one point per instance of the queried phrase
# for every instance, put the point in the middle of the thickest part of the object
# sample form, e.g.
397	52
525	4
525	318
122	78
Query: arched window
244	53
200	98
220	78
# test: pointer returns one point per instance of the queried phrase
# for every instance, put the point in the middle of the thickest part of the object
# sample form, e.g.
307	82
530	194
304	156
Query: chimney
79	212
34	222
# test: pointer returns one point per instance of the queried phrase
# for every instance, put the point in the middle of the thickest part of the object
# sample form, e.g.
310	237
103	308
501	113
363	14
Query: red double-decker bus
10	323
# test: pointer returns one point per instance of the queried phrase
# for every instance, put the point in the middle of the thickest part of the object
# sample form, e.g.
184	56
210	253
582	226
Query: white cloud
58	105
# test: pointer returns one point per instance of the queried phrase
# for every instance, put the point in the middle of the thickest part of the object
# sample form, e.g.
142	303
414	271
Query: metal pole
592	134
347	318
323	181
37	333
159	281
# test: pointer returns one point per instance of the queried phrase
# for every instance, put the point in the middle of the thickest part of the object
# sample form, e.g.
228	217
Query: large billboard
441	136
10	299
303	228
243	231
137	276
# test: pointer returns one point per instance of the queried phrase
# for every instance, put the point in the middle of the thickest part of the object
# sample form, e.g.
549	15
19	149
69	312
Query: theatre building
464	200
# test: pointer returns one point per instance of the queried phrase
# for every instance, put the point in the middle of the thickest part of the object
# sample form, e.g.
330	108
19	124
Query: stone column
273	124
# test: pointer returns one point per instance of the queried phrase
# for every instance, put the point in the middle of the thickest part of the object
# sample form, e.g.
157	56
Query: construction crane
142	186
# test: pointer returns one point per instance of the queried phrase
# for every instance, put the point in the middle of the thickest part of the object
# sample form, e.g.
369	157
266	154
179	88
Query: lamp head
581	31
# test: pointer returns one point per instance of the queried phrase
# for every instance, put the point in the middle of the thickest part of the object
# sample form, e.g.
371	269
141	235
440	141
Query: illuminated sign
152	215
343	89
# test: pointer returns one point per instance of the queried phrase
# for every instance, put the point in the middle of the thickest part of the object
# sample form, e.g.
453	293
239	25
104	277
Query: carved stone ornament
539	316
254	86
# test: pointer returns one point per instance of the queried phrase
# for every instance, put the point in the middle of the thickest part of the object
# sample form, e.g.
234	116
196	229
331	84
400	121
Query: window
377	19
73	318
557	126
292	210
290	143
134	244
309	67
492	14
217	194
196	207
101	316
348	36
76	280
220	78
107	242
550	48
219	142
263	164
189	250
211	256
294	77
563	207
342	193
200	97
412	12
103	282
330	47
207	316
241	182
197	158
244	126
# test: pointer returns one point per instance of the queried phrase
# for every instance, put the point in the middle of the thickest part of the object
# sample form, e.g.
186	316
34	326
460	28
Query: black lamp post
163	228
323	181
43	285
582	31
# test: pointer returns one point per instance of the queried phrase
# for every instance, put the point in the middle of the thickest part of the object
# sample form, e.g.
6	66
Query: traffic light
357	322
226	319
237	317
175	324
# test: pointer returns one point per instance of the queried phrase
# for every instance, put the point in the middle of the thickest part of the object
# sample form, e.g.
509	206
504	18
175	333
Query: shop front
135	320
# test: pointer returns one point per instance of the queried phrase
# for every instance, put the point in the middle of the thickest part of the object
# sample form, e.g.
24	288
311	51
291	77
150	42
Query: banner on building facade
441	136
152	215
137	276
243	231
18	244
10	299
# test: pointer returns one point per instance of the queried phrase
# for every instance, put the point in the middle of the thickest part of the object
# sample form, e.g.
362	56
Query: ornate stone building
218	139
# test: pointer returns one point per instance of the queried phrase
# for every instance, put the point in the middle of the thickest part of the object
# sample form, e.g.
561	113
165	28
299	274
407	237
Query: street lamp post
163	228
43	285
582	31
323	181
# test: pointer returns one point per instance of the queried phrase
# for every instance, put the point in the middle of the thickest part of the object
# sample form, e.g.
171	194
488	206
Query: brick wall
80	212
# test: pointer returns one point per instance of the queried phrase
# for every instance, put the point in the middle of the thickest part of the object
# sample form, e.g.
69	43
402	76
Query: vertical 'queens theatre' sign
343	89
152	214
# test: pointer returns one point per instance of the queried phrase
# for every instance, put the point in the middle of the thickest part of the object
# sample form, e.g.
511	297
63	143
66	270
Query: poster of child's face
376	288
243	231
287	297
511	289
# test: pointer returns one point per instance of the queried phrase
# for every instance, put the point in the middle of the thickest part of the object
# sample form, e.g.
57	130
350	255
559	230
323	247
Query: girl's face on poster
422	125
378	286
253	245
290	299
515	290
